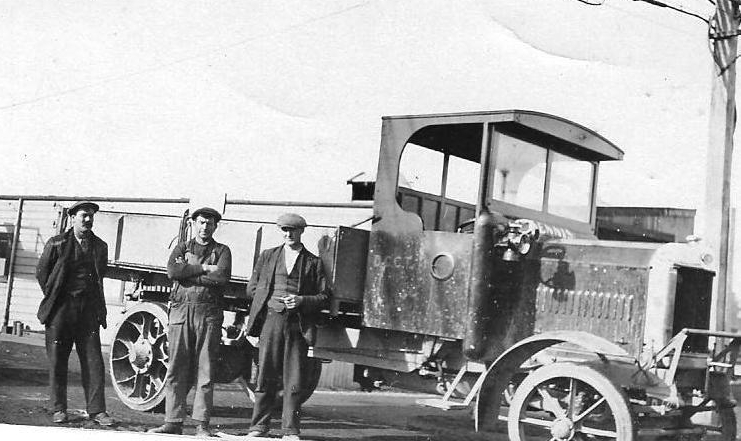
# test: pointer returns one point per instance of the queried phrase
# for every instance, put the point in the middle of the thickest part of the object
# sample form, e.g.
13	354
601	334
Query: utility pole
723	33
724	45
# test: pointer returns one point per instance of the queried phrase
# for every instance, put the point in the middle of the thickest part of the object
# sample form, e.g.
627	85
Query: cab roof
464	132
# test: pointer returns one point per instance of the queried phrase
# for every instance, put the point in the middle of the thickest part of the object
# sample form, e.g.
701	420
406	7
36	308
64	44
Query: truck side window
421	169
569	193
519	177
463	180
439	175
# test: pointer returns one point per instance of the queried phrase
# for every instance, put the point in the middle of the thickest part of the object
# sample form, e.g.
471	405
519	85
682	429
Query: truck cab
437	175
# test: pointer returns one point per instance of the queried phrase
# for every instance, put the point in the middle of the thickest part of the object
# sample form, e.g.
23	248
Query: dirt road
328	415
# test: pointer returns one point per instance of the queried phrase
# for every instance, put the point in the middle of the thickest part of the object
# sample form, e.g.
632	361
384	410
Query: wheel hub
562	429
141	355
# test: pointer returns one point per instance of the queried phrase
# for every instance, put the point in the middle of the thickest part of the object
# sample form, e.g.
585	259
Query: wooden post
720	145
11	271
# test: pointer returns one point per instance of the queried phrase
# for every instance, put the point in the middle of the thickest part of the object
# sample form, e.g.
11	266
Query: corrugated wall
37	226
337	375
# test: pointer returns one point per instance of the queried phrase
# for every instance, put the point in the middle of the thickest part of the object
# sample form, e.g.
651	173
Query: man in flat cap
70	272
288	290
200	269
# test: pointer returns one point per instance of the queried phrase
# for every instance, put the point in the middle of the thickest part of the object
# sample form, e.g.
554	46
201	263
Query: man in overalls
200	268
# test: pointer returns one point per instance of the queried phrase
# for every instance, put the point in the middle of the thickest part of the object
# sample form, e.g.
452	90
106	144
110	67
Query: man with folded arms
200	268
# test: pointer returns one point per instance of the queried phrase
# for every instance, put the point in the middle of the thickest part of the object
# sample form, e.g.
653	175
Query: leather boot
170	428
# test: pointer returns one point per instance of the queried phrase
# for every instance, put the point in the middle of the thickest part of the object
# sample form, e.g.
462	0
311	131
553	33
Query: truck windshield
538	178
440	170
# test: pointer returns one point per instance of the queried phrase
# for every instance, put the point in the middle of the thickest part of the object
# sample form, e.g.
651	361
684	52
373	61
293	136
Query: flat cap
208	213
291	220
82	204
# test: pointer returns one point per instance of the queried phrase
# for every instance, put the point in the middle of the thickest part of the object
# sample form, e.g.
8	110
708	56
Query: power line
675	8
645	18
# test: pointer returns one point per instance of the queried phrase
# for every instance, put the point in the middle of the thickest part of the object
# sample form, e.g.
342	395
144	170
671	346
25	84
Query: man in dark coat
200	268
288	290
70	273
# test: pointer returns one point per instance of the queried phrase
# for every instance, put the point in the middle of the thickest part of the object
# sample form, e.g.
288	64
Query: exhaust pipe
481	306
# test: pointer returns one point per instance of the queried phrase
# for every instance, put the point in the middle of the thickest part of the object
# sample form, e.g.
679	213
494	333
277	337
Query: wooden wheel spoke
589	410
550	403
161	335
127	379
156	383
159	354
598	432
139	327
158	368
129	348
147	328
572	397
139	386
536	422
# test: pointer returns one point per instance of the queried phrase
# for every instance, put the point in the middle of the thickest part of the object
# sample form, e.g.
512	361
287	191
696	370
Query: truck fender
498	375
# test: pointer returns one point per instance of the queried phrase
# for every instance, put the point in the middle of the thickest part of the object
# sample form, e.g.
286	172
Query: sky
284	100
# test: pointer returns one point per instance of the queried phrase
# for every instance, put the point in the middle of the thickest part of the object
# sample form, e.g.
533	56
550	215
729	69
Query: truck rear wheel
564	401
139	357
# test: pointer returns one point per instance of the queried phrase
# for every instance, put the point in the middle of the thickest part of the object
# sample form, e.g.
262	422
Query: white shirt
291	256
79	239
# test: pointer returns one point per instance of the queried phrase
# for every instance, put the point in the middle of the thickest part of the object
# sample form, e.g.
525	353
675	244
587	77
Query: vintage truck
479	269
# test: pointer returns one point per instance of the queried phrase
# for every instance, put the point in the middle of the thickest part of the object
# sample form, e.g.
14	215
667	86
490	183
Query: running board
442	404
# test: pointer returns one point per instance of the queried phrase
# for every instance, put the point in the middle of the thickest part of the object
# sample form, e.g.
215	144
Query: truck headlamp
518	240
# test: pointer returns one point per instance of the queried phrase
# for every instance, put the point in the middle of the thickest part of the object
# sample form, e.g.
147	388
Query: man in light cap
70	272
200	269
288	290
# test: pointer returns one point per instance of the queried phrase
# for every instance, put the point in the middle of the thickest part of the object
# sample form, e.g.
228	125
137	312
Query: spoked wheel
564	402
139	357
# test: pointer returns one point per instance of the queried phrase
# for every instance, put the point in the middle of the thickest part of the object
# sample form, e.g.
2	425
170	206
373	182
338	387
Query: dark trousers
283	352
194	335
73	323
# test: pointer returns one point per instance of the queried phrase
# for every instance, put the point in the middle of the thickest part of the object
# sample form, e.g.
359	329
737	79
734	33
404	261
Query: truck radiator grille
692	305
585	304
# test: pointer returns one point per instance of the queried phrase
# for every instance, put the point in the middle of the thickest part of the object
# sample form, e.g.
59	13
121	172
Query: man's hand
254	341
209	268
292	301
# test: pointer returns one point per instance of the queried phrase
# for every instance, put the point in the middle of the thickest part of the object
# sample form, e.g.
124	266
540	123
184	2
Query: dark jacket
192	284
52	270
312	287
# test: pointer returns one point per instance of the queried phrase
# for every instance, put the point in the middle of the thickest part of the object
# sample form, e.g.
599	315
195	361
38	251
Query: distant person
70	272
201	268
288	290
